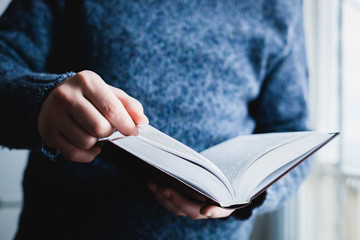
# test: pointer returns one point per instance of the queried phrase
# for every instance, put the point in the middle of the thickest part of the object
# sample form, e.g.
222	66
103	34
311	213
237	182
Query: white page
159	139
234	156
276	159
165	142
276	174
196	176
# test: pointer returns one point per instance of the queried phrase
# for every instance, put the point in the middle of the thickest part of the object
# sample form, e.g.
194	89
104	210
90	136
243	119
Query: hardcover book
229	174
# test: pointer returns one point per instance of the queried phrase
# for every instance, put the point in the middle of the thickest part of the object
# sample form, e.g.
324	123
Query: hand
82	109
180	205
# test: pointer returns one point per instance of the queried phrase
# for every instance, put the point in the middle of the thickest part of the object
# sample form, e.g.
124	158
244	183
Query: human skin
82	109
180	205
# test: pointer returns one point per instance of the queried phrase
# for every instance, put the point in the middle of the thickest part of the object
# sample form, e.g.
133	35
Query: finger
76	135
89	118
186	205
132	106
174	200
97	92
212	211
162	199
68	99
75	154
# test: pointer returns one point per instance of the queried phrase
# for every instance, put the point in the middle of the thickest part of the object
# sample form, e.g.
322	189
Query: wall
12	164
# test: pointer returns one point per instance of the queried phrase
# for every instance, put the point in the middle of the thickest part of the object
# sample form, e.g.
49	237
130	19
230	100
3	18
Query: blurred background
328	203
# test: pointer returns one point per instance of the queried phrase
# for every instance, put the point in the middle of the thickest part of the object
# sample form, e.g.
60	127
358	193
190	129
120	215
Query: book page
276	174
234	156
271	165
168	143
159	139
193	175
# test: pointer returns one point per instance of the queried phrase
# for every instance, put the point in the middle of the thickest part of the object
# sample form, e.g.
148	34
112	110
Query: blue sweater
204	70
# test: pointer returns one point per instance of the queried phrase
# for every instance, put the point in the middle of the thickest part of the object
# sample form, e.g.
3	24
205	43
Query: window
350	86
328	204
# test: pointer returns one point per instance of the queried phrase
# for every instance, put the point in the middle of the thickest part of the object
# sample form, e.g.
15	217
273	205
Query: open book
231	173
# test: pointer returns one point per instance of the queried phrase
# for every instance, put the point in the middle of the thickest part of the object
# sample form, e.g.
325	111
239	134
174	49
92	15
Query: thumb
212	211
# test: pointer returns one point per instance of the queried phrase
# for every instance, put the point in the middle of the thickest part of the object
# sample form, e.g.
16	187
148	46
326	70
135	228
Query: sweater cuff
46	89
48	152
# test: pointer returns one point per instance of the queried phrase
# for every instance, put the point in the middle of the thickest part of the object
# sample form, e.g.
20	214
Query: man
203	71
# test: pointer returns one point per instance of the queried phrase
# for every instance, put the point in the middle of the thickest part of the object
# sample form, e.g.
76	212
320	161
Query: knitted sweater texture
204	71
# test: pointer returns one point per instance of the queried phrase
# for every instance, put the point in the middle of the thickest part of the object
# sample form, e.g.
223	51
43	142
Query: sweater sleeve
29	33
283	106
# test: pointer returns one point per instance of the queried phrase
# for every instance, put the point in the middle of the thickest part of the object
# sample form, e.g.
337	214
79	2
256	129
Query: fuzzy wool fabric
204	70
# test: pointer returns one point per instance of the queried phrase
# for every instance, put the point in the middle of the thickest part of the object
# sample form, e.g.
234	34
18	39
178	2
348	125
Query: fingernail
146	120
208	214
